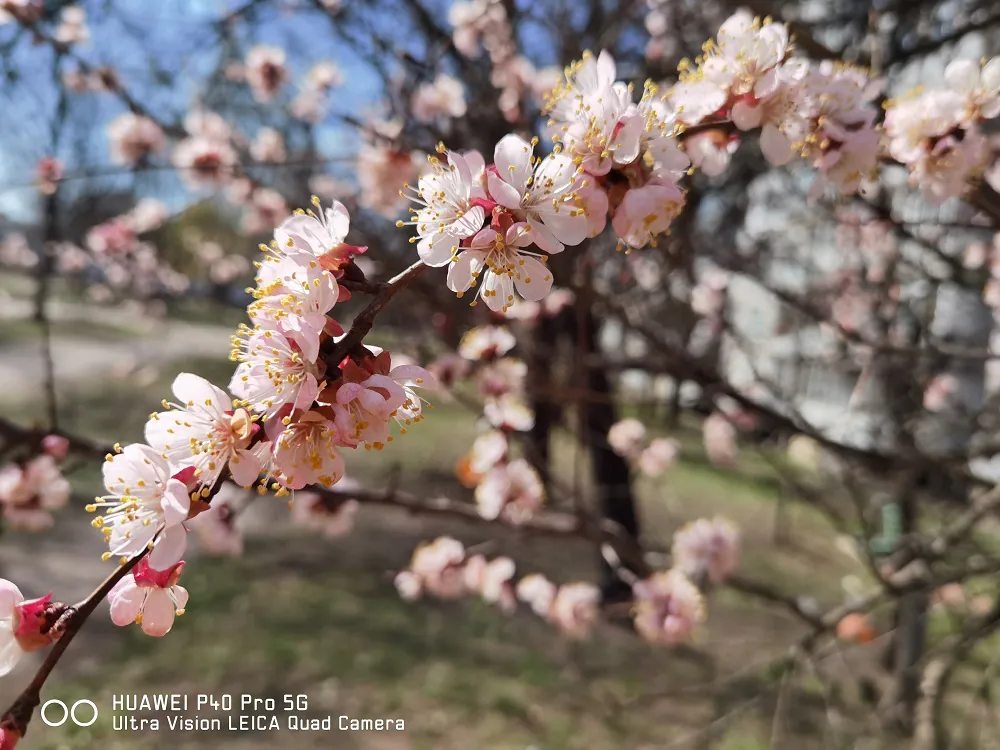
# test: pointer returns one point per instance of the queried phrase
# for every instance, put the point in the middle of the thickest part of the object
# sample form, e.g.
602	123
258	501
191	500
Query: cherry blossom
146	506
333	518
268	147
216	528
437	568
72	28
206	158
132	138
28	494
711	151
370	394
538	592
383	168
149	597
541	193
668	607
504	263
272	372
627	437
575	608
658	456
205	430
707	548
486	342
509	412
930	134
442	98
720	440
739	66
452	208
10	650
646	212
980	86
266	71
305	452
594	116
48	173
321	233
500	377
488	450
293	296
491	580
511	491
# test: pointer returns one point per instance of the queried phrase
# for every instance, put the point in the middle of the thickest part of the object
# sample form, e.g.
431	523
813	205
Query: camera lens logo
52	708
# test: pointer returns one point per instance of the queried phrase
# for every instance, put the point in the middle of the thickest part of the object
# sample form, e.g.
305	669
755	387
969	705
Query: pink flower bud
55	445
9	738
33	623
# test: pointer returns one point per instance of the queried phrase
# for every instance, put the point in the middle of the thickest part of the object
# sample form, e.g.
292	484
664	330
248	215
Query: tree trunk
612	486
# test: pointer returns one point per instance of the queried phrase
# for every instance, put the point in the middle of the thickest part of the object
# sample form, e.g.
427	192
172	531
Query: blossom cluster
485	23
444	568
31	490
494	224
290	411
627	438
938	133
506	487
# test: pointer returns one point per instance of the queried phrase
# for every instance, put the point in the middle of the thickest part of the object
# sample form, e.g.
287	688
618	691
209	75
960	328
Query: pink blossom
979	85
30	494
437	568
575	608
509	412
940	393
491	580
56	446
538	592
668	607
149	597
25	625
627	437
543	195
707	548
711	151
720	440
498	264
272	372
132	138
266	71
488	450
486	342
383	168
441	98
647	212
333	517
451	207
48	173
370	394
216	529
513	492
658	456
146	506
305	452
268	147
738	67
72	28
449	368
113	237
500	377
204	429
930	134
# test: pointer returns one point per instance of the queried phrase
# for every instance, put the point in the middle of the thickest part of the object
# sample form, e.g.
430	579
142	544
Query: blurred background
147	148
